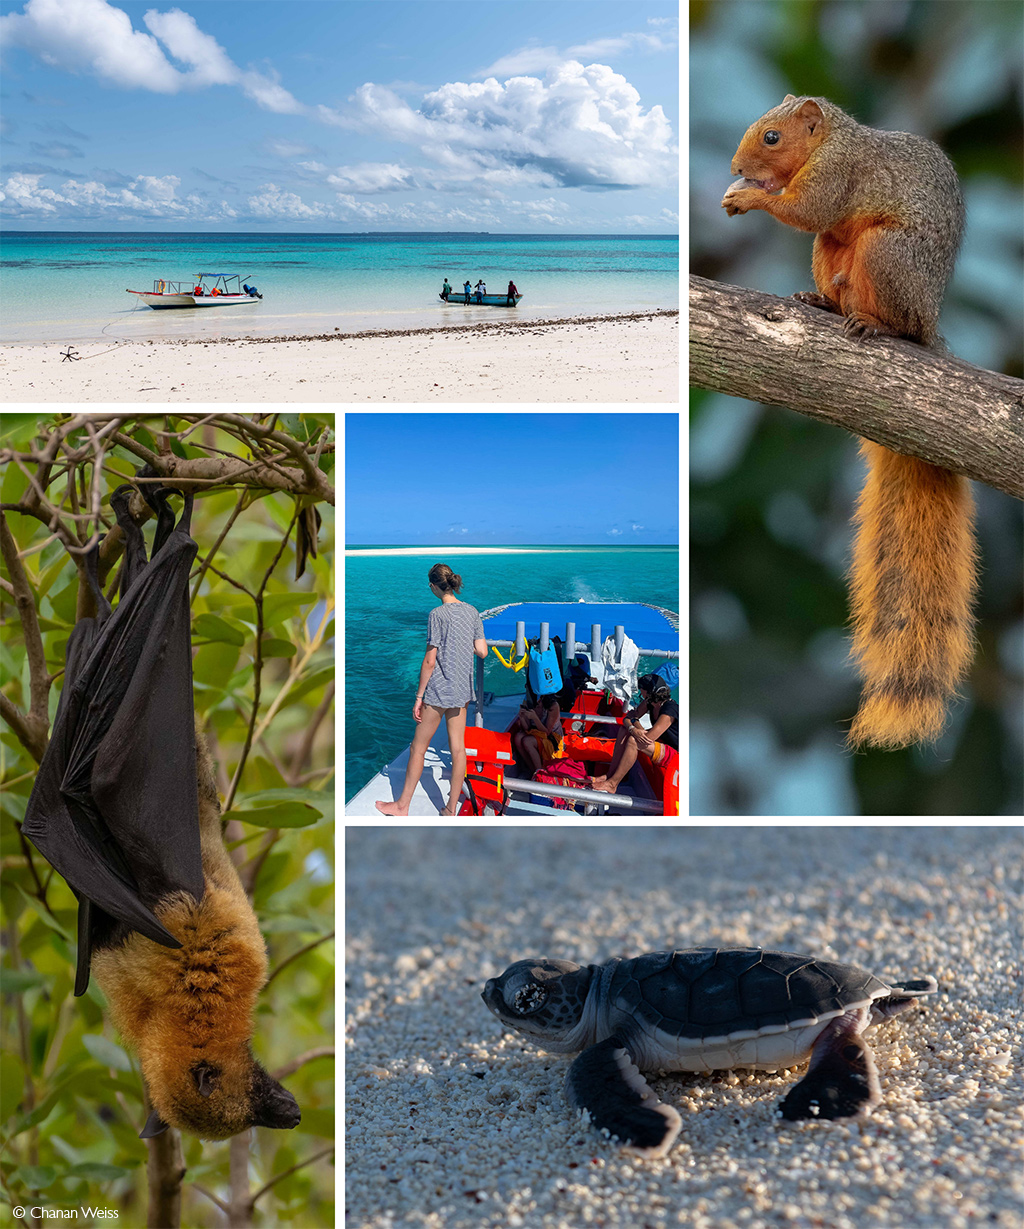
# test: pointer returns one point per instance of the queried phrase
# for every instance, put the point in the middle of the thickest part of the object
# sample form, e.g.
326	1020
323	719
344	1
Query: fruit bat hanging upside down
125	808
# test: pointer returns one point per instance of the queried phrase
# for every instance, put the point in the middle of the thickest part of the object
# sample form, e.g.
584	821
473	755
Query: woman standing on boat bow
455	632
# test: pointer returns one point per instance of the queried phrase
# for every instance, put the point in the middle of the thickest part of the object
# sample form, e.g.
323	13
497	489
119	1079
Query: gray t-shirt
451	629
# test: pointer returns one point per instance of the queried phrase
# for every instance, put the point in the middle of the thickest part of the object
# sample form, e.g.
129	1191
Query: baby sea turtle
702	1009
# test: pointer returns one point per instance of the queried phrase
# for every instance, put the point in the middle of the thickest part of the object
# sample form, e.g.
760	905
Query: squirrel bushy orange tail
912	591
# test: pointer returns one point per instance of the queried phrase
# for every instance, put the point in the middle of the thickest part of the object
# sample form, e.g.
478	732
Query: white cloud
145	196
614	533
636	528
92	36
579	127
274	202
24	194
370	177
207	60
283	148
530	59
533	58
608	47
267	92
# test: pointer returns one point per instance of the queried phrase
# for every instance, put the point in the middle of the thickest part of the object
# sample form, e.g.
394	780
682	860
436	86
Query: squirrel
887	216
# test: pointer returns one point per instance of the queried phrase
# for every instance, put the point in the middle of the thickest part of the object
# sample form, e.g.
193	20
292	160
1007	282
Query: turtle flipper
606	1083
841	1081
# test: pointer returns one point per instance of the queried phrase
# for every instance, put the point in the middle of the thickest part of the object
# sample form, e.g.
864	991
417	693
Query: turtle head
545	1000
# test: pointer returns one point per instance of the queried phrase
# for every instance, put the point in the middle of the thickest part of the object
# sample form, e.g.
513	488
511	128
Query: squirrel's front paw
738	197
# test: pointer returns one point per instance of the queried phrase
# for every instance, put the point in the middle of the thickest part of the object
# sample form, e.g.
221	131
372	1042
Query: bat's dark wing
114	808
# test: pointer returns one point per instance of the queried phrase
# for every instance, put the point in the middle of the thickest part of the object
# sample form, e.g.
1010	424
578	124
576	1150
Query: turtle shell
705	992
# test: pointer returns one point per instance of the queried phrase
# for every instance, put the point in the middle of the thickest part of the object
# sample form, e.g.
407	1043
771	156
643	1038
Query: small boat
485	300
495	784
215	290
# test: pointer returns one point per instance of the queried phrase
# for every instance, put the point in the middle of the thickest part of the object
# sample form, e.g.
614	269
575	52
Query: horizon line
576	234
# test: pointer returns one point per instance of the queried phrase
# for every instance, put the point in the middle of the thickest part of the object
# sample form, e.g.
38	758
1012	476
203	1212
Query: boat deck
432	791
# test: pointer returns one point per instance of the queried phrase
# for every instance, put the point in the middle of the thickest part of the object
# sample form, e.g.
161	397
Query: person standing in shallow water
455	632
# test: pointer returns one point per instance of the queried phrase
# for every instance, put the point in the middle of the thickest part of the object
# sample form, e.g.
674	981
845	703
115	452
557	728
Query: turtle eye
528	999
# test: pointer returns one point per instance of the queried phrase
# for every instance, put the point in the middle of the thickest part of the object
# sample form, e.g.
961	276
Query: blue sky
505	479
544	116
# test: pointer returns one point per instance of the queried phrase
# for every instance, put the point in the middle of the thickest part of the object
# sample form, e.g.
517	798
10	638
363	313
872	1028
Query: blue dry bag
543	672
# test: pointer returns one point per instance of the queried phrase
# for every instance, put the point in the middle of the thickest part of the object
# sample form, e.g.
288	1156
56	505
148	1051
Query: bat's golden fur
188	1012
912	591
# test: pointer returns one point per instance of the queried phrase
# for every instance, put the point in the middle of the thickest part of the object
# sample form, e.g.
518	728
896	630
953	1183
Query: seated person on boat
634	740
537	731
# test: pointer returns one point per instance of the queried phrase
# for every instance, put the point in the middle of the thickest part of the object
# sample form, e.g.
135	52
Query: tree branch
165	1171
911	399
32	727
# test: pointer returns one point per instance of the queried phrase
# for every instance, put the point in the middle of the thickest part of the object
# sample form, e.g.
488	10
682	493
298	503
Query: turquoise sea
70	286
387	600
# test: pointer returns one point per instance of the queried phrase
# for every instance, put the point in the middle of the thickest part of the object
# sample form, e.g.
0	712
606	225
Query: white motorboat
204	290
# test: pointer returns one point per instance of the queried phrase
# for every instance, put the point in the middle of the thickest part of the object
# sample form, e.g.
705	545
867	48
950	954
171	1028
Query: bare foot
606	786
391	808
597	782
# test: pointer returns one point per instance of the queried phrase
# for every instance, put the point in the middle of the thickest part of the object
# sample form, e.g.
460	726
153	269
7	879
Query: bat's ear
155	1126
205	1078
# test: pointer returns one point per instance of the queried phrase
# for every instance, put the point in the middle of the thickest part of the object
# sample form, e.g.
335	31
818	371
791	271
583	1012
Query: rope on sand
74	357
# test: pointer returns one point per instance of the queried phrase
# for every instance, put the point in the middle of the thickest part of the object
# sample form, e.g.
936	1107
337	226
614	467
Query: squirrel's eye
771	137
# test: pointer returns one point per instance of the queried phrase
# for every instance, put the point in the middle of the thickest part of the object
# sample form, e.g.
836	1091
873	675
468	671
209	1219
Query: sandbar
594	359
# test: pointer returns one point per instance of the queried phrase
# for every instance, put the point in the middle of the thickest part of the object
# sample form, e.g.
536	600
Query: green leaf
42	1111
214	664
35	1177
142	436
106	1052
278	648
65	601
18	432
280	606
212	627
39	908
321	800
17	981
96	1172
282	815
318	679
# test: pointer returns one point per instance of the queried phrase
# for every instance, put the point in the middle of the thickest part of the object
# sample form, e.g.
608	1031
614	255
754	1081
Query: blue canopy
649	627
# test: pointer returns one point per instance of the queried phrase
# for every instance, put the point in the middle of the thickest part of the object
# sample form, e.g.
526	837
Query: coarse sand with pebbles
453	1122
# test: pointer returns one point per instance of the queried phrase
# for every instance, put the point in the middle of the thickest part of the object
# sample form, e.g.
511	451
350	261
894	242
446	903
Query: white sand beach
453	1123
602	359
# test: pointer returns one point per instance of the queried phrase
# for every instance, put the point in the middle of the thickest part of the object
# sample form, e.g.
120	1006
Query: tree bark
911	399
165	1170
